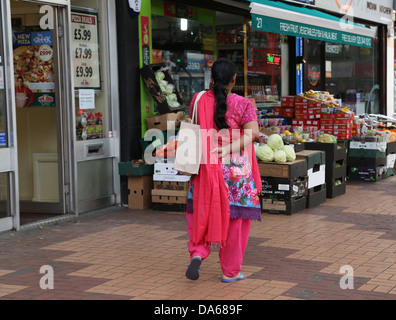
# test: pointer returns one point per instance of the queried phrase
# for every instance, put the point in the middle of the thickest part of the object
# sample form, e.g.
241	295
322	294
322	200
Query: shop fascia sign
379	11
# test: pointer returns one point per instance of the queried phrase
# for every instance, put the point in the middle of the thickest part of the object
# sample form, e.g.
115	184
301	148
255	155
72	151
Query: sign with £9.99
86	62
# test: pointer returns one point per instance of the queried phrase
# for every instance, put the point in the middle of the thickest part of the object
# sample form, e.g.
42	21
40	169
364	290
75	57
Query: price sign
85	50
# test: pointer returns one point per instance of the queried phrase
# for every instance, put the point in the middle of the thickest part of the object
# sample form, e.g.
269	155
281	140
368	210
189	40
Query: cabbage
160	76
275	142
327	138
290	153
280	156
265	153
169	89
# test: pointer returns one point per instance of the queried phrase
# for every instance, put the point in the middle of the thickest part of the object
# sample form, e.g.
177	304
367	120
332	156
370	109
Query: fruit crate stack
170	188
316	172
336	165
367	159
285	186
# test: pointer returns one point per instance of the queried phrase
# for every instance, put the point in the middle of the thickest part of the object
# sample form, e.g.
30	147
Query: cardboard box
316	196
391	147
380	146
287	207
135	168
171	185
167	121
171	177
165	169
367	174
367	162
284	189
169	196
314	158
289	170
140	192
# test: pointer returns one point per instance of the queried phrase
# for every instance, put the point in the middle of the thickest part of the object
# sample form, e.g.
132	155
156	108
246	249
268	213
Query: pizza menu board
85	44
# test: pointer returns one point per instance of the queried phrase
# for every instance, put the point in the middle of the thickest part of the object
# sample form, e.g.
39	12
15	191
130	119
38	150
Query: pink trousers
231	255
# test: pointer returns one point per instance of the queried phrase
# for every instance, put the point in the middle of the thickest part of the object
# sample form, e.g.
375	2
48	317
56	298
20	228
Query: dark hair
223	71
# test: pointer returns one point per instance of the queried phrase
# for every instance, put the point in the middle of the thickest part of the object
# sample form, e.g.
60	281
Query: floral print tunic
237	169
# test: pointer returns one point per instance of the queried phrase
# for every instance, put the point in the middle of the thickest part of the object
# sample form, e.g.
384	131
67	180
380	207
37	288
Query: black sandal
192	272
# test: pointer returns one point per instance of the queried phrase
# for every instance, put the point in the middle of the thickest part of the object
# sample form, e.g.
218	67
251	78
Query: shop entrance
38	54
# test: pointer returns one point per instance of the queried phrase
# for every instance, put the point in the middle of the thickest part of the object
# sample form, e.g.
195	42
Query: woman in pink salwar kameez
236	176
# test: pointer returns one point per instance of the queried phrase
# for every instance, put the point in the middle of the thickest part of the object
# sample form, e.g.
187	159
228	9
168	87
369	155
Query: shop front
341	47
59	119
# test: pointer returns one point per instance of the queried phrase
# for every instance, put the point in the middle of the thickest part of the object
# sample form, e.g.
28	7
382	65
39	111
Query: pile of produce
275	151
167	89
326	138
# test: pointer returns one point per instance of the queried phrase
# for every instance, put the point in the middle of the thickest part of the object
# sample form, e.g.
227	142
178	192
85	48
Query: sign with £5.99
85	50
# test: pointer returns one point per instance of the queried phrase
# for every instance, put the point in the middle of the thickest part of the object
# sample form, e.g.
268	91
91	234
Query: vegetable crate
152	85
316	196
288	207
367	174
284	189
289	170
135	168
336	165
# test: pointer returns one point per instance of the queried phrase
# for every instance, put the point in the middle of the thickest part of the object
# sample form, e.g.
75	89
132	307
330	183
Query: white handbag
189	144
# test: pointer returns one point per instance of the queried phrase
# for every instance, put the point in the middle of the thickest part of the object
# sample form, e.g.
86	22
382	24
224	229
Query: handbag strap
195	111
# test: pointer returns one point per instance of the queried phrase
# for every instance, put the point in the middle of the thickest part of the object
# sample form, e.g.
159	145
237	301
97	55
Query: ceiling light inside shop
183	24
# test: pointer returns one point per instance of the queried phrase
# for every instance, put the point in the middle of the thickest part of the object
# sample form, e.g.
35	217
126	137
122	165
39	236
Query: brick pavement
122	254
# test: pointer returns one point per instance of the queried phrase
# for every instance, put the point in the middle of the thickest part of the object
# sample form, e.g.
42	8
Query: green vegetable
290	153
280	156
327	138
265	153
275	142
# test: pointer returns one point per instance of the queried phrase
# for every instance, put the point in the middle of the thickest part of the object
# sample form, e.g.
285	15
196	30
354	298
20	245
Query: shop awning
305	22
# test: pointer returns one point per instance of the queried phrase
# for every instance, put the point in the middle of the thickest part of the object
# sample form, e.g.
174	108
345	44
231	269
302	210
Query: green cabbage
265	153
160	76
275	142
290	153
327	138
280	156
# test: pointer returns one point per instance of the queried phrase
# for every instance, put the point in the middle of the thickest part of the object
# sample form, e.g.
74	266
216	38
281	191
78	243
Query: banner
34	69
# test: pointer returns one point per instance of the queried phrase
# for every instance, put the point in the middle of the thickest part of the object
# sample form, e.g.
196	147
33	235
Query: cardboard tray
289	170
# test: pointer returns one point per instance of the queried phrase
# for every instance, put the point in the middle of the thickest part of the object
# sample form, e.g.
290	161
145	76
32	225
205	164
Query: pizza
29	63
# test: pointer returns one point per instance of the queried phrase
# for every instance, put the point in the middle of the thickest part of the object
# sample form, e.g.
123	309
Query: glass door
40	98
7	150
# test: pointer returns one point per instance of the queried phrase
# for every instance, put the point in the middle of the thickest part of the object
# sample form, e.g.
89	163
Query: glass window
90	69
4	201
264	65
185	46
352	75
3	105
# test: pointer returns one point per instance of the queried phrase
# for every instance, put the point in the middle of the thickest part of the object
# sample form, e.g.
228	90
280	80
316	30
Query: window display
89	79
352	76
